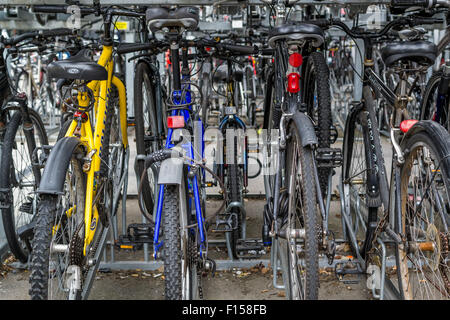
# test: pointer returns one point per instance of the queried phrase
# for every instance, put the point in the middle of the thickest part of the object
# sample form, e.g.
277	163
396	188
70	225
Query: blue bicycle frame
182	97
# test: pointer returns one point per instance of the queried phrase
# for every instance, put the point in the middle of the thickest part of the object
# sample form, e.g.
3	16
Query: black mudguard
306	128
52	181
436	132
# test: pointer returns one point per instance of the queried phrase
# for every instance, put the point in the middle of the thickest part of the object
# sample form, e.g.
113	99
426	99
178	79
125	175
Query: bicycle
295	217
84	173
231	161
23	139
365	192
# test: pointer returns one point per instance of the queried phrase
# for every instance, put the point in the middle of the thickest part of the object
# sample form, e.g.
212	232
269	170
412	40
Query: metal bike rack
106	250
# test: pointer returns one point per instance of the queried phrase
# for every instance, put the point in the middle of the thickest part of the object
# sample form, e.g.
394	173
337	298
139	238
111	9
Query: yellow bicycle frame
93	139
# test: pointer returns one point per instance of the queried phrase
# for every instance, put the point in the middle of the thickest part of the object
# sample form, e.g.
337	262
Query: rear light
405	125
295	59
293	82
174	122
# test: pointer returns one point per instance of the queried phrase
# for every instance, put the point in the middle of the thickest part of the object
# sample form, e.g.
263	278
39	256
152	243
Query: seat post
175	58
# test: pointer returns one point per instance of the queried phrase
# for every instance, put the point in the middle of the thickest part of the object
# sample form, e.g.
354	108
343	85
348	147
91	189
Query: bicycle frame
188	147
93	139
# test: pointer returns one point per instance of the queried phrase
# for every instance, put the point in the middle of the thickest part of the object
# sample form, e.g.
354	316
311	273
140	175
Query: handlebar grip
60	9
267	51
413	3
57	32
49	9
321	23
419	21
240	49
133	47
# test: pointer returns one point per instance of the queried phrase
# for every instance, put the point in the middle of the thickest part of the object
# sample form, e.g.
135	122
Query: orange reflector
405	125
174	122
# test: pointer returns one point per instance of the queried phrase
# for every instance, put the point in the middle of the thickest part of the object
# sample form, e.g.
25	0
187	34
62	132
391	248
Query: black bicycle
23	137
409	215
299	161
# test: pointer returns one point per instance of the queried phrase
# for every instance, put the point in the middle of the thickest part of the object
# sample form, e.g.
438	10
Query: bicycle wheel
428	107
146	131
113	158
301	217
179	247
21	179
355	168
57	257
316	95
425	211
234	184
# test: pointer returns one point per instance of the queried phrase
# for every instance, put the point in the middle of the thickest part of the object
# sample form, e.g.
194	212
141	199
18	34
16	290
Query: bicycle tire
354	165
233	185
308	220
141	80
316	78
51	222
20	248
434	220
427	107
174	255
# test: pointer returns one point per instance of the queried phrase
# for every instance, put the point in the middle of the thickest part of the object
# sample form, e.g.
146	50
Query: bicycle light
293	82
174	122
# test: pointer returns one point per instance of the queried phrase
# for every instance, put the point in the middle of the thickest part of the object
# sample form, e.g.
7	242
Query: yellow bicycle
84	173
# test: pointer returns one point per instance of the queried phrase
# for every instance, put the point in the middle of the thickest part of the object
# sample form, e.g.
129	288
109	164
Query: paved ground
234	284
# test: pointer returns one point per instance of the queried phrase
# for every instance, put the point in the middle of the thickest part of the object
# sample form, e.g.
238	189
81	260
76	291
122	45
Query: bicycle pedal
329	157
27	207
250	249
349	268
137	235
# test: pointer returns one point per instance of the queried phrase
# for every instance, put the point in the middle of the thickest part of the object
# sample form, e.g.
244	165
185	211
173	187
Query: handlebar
202	43
37	34
426	4
87	10
133	47
411	21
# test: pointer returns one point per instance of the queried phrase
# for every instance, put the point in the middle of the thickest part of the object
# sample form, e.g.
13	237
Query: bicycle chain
444	254
194	261
76	248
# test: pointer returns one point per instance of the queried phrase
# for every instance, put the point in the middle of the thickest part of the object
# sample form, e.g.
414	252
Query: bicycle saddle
158	18
297	32
422	52
221	74
79	66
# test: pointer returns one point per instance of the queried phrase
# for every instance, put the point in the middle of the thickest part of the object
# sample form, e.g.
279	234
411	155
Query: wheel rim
424	262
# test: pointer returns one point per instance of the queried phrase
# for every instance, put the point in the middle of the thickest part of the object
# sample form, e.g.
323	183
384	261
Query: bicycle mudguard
305	128
171	171
436	132
52	181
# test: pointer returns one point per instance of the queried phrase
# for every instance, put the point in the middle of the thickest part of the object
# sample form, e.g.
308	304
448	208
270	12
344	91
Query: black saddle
79	66
221	74
296	32
423	52
186	17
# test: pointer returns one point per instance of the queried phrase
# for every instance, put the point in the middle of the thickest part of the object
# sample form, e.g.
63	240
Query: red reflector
295	59
174	122
405	125
293	82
